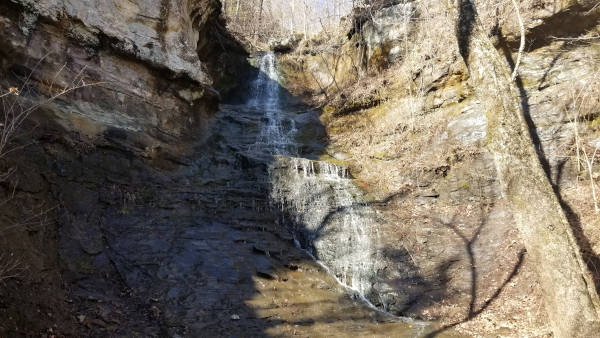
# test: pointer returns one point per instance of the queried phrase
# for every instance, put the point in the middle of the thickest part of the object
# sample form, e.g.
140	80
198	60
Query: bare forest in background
264	20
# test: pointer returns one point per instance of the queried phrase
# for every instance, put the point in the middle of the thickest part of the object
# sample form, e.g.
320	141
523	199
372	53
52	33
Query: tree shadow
555	59
469	242
466	14
319	231
413	290
592	260
565	24
464	27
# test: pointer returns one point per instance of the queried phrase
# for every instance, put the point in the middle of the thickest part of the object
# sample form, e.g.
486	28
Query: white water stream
278	131
317	196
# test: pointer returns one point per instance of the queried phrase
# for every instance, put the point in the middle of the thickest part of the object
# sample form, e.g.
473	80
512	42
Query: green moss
595	123
328	110
330	159
491	120
378	111
379	57
454	110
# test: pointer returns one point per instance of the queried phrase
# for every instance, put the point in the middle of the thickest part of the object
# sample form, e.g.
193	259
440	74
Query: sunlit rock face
162	33
144	66
387	31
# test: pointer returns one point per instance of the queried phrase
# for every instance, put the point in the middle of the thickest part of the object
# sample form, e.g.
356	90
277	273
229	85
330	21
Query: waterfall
266	84
278	131
331	219
317	199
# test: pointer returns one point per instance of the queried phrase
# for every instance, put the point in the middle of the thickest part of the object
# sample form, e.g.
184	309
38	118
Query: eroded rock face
416	137
146	87
162	33
384	33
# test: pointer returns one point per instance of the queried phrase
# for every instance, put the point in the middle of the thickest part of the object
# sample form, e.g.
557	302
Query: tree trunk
570	298
237	11
305	20
292	15
258	25
260	14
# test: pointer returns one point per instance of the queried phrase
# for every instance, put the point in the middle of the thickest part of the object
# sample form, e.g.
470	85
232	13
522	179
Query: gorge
166	174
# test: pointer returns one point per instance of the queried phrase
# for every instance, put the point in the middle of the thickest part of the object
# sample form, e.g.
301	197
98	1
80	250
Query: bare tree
568	288
15	109
305	11
262	20
522	46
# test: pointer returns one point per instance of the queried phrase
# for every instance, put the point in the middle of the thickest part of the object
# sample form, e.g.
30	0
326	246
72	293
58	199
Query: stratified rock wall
117	91
147	87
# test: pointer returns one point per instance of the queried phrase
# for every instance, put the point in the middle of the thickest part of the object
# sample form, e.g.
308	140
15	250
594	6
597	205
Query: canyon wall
116	94
402	114
144	66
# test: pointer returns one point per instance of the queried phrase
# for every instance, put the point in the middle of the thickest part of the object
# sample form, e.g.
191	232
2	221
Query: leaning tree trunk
570	298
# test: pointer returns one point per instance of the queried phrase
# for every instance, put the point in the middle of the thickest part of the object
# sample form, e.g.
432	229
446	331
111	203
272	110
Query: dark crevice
464	28
568	23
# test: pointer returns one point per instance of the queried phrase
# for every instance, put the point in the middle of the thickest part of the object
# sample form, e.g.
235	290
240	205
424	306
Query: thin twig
522	46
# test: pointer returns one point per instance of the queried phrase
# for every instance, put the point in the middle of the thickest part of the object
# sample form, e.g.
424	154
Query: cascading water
266	86
330	219
318	198
278	131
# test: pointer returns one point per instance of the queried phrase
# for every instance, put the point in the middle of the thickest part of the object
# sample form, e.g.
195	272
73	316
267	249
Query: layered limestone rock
143	65
117	91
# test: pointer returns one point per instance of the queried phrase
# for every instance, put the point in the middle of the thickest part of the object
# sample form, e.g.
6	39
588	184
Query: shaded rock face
143	97
144	65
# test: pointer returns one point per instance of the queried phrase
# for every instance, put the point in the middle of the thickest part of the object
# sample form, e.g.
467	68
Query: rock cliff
113	92
146	64
402	113
142	196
